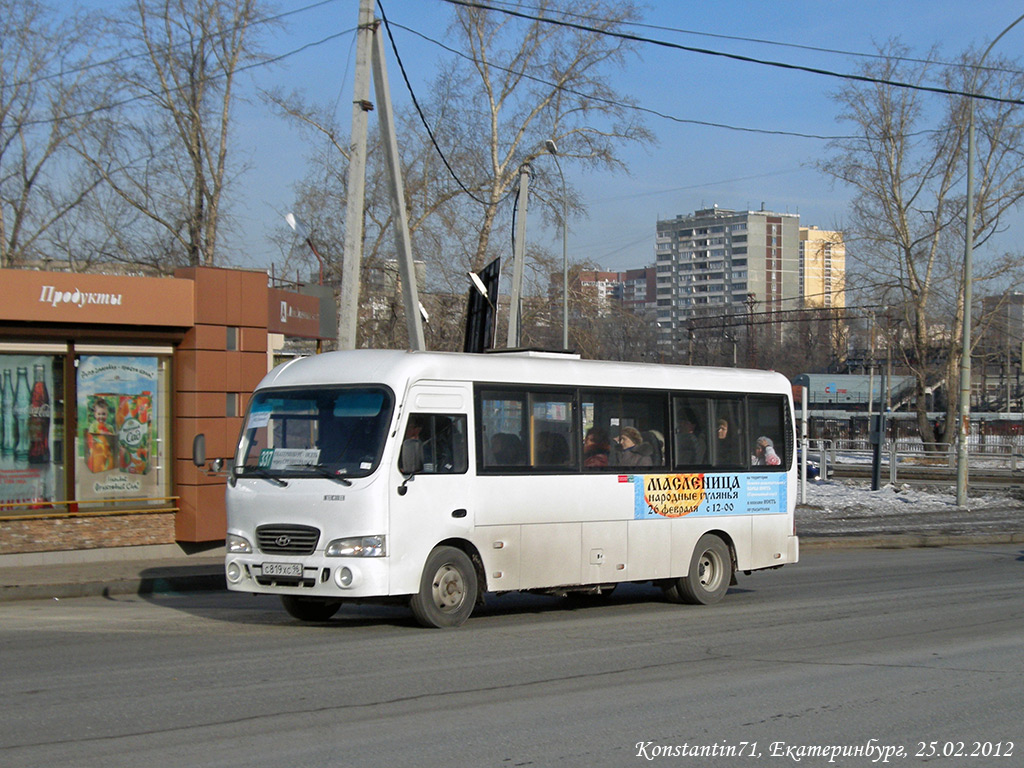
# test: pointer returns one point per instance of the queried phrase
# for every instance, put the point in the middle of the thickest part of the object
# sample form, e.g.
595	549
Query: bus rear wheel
310	608
448	589
709	576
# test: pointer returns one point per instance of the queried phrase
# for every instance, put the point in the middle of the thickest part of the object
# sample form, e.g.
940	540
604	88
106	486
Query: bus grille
287	539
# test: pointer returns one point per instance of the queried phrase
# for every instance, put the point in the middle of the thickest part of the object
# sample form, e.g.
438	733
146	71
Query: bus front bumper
329	577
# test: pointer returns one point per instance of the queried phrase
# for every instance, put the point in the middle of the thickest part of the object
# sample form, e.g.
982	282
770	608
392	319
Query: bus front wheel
310	608
709	576
448	589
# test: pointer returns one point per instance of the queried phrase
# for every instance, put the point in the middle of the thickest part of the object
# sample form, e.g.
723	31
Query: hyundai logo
283	541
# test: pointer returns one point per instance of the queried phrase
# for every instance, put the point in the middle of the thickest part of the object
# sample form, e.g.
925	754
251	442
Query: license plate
293	570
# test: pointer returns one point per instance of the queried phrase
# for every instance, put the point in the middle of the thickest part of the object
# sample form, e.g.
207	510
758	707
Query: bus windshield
325	431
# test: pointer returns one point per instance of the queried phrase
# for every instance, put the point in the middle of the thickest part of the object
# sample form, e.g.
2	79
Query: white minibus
435	478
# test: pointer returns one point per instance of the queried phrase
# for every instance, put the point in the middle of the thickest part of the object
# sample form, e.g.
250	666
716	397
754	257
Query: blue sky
691	166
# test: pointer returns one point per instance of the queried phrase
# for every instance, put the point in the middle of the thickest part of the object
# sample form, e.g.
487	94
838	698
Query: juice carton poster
117	430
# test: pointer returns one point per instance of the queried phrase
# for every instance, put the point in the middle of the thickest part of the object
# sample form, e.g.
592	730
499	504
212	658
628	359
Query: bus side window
443	441
729	439
691	432
767	432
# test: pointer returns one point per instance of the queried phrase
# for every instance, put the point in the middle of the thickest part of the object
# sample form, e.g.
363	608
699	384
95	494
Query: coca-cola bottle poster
26	430
117	428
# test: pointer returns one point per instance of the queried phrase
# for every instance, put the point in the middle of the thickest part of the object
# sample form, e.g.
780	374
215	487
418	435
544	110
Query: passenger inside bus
764	453
552	449
596	448
632	450
727	451
507	449
691	449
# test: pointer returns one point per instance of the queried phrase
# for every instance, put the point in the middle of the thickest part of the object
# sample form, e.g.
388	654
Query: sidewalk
122	571
824	522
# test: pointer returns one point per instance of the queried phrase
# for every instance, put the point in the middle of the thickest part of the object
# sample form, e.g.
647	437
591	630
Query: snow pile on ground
844	495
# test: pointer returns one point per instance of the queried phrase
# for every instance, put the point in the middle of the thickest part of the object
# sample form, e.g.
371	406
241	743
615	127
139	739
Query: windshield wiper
266	474
322	470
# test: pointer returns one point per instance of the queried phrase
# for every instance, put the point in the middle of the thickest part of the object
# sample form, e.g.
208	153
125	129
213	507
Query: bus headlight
238	545
359	546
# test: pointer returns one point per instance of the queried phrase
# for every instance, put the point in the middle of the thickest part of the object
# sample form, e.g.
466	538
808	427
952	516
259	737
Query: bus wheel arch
712	570
450	587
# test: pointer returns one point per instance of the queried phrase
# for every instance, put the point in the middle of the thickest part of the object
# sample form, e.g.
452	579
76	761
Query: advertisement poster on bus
117	436
703	495
26	430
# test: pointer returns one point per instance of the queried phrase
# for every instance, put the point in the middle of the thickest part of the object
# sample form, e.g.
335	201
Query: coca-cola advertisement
117	434
26	430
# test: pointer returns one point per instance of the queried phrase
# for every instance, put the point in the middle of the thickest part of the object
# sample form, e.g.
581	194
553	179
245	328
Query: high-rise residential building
716	263
822	268
633	289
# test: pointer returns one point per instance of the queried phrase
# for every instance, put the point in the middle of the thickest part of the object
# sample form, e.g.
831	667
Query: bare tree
906	166
163	147
523	82
321	199
44	102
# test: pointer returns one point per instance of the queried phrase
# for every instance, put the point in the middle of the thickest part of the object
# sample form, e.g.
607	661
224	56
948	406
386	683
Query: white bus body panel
529	531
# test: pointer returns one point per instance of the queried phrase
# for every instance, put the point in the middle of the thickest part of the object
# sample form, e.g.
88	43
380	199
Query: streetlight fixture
553	149
300	229
965	355
480	288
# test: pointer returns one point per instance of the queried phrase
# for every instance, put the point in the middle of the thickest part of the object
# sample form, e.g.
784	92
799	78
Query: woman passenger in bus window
633	452
727	450
764	453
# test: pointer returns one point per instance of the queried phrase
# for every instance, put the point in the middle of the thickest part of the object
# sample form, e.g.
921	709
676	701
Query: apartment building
719	262
822	268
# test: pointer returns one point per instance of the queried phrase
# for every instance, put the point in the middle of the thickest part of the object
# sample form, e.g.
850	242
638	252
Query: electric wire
777	43
631	106
735	56
426	124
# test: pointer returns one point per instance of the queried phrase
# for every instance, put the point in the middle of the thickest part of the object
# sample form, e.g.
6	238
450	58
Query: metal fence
1003	455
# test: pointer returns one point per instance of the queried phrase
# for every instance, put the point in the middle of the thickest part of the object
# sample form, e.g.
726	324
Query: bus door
433	503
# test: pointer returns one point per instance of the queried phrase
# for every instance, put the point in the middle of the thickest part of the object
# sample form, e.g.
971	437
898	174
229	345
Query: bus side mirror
199	455
410	462
199	450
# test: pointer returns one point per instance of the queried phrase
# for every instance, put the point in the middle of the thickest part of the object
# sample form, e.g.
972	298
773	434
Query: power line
423	117
626	105
735	56
778	43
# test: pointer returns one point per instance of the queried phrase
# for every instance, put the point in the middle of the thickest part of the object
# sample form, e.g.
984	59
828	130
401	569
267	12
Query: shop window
31	431
122	447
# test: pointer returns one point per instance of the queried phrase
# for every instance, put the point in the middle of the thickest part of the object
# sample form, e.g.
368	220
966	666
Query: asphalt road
876	650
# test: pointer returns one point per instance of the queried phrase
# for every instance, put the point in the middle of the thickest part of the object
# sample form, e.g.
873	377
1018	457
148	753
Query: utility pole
348	305
370	51
518	257
403	241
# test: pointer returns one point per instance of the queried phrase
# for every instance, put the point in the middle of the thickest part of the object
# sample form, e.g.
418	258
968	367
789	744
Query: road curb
906	540
170	583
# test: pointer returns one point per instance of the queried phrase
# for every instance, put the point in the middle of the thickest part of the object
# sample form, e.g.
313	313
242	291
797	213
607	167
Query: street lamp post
965	359
553	149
